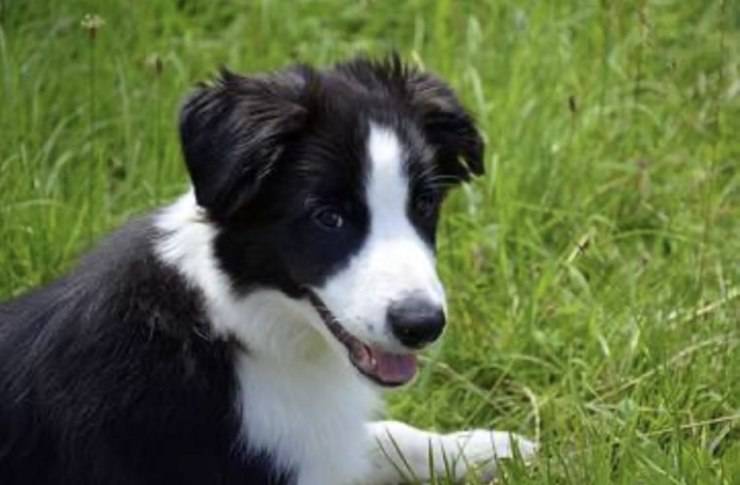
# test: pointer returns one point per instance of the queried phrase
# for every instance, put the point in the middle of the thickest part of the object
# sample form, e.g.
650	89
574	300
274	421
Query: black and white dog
242	334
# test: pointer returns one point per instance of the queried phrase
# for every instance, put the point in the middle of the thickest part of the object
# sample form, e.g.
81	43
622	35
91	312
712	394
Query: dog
242	335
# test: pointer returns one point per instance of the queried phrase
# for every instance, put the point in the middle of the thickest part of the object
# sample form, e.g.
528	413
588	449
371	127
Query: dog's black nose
416	321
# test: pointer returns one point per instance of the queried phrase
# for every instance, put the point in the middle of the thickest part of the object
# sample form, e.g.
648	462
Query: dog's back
109	376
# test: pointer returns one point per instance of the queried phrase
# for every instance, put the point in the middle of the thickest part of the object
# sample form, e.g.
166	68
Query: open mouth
384	368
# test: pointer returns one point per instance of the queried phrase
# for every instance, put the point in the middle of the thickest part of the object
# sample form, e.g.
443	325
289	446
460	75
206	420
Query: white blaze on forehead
387	190
394	262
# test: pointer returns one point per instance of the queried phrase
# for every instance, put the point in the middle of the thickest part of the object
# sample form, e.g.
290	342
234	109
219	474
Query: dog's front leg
403	453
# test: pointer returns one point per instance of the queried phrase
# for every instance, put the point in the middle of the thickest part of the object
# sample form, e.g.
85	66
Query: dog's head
326	186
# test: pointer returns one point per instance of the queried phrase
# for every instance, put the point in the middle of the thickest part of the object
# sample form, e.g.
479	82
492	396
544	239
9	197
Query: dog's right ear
233	132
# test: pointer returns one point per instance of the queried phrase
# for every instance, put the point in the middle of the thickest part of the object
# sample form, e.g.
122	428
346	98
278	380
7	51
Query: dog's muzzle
384	368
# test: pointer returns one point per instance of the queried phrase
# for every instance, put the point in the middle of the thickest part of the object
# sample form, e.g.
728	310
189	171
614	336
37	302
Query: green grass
593	274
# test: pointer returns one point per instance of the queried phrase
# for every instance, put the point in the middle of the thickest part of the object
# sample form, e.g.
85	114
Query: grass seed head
92	23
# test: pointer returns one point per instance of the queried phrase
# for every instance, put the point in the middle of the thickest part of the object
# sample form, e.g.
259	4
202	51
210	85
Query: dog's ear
447	125
233	132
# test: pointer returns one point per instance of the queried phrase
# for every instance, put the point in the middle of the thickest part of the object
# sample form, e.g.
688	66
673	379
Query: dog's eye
425	205
328	218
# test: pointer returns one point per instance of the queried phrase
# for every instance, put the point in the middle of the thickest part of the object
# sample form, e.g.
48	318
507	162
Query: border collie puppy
243	334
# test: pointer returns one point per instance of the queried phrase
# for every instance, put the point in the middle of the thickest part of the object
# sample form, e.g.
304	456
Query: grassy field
594	273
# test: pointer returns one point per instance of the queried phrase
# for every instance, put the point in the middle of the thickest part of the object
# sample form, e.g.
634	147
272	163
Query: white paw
481	449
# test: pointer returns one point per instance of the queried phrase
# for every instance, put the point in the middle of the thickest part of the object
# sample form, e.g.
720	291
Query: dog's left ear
234	131
447	125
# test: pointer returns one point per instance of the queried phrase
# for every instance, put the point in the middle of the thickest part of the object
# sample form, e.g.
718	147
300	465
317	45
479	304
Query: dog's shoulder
110	373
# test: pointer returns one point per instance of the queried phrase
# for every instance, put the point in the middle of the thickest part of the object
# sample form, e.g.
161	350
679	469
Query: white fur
394	261
311	417
410	450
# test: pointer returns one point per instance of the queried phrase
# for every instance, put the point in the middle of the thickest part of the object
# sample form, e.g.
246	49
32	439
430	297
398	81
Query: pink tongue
394	368
387	367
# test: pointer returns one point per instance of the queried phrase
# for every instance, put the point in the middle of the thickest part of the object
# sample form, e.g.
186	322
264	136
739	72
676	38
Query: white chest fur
310	418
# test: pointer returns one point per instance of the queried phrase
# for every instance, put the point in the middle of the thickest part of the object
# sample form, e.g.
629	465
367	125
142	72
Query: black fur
111	375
